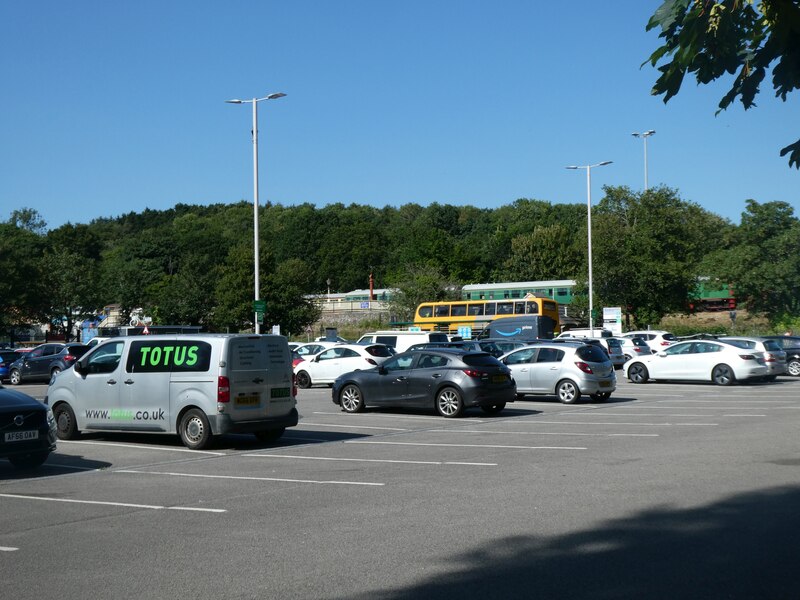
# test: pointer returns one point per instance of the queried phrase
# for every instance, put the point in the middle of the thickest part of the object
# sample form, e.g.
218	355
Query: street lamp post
254	102
644	136
589	227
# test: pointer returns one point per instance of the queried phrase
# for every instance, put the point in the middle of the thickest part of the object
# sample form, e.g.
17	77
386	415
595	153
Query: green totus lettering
167	353
180	355
192	356
155	356
145	350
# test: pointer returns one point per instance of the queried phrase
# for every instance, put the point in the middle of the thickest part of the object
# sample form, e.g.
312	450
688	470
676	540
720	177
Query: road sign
259	306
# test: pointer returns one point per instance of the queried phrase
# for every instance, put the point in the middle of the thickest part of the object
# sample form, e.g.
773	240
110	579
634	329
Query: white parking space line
721	407
142	447
293	438
468	445
386	415
354	426
745	415
8	549
374	460
504	432
630	424
122	504
241	478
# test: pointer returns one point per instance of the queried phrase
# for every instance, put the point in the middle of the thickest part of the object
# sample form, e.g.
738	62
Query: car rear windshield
747	344
772	346
77	350
613	343
591	354
638	342
379	350
670	337
481	359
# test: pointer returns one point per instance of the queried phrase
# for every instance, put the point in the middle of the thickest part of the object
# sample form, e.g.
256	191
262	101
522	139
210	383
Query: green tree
71	288
762	261
23	297
712	38
284	293
547	252
420	283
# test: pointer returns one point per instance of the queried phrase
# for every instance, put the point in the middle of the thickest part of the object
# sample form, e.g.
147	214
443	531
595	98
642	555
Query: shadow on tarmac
743	547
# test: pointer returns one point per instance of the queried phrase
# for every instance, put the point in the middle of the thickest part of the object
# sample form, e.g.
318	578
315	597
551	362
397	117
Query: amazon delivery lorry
195	385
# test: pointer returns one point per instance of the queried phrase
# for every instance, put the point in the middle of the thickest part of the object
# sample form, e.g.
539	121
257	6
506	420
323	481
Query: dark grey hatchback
447	380
27	429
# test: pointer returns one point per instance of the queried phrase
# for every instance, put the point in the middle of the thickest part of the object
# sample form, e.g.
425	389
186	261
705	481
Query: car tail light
637	349
584	367
664	343
474	373
747	356
70	358
372	362
223	389
769	358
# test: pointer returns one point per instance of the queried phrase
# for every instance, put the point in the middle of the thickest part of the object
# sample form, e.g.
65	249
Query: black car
27	429
791	345
45	361
447	380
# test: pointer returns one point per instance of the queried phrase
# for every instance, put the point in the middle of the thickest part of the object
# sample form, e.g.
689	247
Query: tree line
193	265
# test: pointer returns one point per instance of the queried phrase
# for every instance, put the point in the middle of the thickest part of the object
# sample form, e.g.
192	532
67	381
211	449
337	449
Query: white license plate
21	436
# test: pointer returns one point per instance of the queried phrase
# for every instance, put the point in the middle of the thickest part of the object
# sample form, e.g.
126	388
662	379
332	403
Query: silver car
774	355
566	370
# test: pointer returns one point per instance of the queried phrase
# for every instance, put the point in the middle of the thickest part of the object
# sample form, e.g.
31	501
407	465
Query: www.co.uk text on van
194	385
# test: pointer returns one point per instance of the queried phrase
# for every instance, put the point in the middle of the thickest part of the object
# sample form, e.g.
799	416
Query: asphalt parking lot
664	491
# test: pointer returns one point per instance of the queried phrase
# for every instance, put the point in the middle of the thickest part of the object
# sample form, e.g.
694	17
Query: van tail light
223	389
372	362
584	367
294	385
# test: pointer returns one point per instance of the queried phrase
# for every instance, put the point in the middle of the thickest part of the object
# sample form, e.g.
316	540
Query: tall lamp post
644	136
254	102
589	227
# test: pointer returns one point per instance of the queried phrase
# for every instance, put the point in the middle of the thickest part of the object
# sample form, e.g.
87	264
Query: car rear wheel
29	461
269	435
568	392
637	373
55	371
600	396
194	430
449	403
303	380
723	375
793	367
66	427
15	377
351	399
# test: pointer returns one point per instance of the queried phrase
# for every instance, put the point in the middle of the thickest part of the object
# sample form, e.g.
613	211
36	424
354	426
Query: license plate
279	393
21	436
499	378
605	384
248	401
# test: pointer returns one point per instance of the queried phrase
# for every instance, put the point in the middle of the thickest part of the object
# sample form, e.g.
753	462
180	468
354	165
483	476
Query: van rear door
260	375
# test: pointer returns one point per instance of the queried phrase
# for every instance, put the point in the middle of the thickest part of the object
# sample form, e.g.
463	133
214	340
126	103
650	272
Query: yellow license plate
605	384
499	378
248	400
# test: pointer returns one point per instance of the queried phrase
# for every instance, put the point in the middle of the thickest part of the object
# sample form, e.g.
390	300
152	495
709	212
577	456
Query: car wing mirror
662	353
382	370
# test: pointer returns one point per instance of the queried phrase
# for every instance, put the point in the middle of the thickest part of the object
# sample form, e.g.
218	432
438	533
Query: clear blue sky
112	107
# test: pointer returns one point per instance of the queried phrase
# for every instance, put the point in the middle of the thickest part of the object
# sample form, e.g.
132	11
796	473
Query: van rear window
168	356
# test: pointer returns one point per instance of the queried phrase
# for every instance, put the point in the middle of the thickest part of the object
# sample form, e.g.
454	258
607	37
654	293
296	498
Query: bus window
475	310
458	310
505	308
531	308
425	311
550	305
442	310
491	308
519	308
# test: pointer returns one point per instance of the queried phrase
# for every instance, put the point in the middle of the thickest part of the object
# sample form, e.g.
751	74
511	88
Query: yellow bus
449	316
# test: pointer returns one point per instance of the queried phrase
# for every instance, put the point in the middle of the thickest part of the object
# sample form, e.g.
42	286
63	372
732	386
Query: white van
597	332
196	385
402	340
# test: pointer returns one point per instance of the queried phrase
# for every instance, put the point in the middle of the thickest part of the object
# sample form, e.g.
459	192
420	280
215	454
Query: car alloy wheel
350	399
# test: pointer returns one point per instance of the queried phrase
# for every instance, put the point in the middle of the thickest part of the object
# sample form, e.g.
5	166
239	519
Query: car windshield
591	354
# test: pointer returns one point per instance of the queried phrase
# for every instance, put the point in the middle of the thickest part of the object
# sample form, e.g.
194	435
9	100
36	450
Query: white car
774	355
656	339
698	360
329	364
306	351
634	346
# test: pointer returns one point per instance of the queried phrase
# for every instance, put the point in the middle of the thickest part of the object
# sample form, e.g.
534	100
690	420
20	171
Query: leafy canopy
736	37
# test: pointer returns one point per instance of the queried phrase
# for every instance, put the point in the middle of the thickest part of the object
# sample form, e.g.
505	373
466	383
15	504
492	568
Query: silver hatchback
565	370
774	355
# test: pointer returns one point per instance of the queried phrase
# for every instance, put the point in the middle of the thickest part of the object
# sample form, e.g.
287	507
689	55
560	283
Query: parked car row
40	364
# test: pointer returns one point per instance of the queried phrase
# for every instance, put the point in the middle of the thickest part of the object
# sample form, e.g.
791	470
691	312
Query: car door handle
112	382
402	378
127	382
436	375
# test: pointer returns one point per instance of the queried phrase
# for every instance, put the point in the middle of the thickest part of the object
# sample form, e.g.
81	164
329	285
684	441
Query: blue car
6	358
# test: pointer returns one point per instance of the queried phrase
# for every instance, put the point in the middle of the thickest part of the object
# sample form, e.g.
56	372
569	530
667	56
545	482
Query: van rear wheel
270	435
194	430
